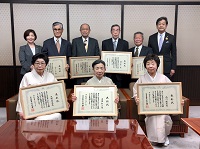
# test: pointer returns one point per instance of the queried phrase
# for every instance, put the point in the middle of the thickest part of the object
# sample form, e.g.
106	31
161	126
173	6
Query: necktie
160	42
136	52
58	45
86	45
115	45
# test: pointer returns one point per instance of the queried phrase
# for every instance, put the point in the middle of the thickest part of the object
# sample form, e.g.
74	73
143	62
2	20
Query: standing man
139	49
163	43
84	46
115	44
57	46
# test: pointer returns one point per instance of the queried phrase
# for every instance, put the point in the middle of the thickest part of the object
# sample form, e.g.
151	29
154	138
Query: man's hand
73	97
67	67
172	72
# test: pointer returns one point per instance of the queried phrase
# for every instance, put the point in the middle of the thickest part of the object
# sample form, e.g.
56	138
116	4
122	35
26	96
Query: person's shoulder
155	34
27	74
48	40
38	46
122	40
50	75
108	79
92	39
77	38
22	47
65	41
168	34
132	49
107	40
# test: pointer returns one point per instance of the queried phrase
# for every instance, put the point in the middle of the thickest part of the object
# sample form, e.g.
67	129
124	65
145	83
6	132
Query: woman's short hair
40	56
28	31
98	62
152	57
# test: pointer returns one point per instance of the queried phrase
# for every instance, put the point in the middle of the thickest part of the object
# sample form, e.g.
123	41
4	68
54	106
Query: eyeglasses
42	64
57	29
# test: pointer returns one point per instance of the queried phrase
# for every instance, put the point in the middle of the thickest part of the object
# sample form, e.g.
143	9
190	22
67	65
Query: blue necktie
160	42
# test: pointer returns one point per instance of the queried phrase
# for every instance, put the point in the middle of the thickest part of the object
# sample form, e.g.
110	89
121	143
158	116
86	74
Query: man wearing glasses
57	46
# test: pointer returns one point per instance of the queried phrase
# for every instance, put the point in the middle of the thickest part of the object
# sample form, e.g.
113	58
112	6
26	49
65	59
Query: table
193	123
73	134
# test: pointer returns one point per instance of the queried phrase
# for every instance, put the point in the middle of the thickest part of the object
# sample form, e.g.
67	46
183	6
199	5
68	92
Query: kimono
33	78
95	81
157	126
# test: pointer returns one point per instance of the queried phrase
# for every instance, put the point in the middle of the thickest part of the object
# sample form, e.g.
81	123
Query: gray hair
138	33
57	23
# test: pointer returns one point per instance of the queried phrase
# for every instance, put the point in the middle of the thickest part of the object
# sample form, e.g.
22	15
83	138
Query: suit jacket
168	50
144	51
122	45
78	47
107	45
25	57
49	48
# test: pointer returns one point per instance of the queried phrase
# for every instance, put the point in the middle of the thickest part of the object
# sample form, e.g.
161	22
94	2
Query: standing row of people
160	43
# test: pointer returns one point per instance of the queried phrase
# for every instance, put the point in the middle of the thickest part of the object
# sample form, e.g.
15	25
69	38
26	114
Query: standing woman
27	51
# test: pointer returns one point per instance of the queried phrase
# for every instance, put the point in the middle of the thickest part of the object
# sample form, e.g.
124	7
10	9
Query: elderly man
84	46
115	44
139	49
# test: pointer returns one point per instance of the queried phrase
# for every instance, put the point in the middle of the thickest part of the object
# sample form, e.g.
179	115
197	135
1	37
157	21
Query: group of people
34	59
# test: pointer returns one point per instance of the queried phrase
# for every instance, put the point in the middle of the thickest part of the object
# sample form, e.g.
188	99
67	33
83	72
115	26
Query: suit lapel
54	48
81	46
119	44
156	42
62	47
111	45
142	51
28	50
37	49
165	40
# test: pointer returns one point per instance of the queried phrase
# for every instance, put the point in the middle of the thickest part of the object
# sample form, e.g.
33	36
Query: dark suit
25	57
144	51
49	48
78	49
168	51
122	45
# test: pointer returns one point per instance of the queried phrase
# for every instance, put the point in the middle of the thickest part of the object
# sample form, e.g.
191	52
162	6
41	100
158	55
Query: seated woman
38	76
99	79
157	126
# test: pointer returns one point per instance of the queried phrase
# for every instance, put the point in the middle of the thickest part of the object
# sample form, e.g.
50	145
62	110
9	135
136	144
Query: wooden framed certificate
56	66
95	101
160	98
117	62
43	99
95	126
81	67
139	69
55	127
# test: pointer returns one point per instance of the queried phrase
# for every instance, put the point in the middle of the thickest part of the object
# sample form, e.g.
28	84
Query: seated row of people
156	133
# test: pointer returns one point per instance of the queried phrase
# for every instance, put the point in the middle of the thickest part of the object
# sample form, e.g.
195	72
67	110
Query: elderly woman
157	126
27	51
38	76
99	68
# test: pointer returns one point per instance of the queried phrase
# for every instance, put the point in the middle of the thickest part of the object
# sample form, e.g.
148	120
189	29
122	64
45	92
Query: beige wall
100	17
